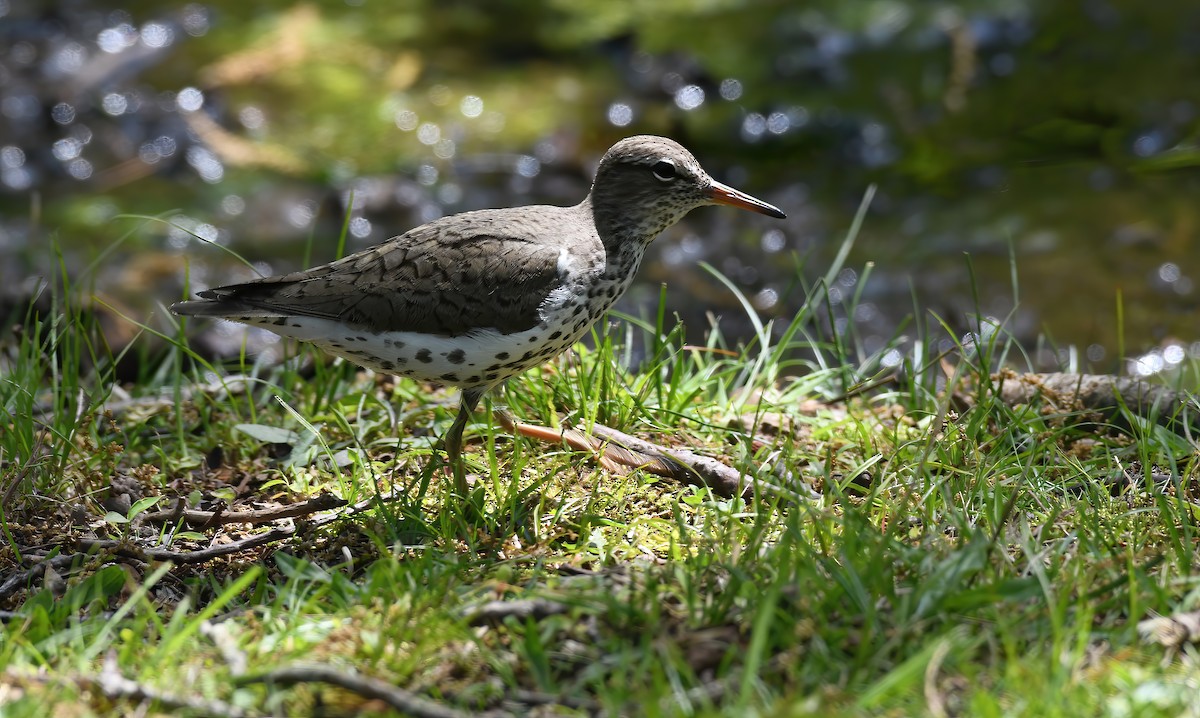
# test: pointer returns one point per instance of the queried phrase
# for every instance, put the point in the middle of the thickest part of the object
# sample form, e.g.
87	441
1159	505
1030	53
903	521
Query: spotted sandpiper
476	298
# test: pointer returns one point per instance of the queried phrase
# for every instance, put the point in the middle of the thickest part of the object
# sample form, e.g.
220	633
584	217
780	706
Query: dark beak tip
724	194
768	210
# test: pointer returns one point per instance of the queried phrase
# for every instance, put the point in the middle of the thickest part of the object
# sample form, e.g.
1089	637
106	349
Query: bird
474	299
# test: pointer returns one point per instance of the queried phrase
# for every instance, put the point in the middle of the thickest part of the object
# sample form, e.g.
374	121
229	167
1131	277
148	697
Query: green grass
935	551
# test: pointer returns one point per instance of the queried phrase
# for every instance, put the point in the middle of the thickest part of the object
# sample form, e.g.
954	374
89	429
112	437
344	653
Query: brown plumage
476	298
490	268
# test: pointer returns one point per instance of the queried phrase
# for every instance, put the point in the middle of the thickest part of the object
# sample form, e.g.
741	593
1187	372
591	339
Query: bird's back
483	269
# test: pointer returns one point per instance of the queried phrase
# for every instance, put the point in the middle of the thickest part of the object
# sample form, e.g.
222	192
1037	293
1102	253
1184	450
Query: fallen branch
521	609
690	467
129	550
407	702
614	450
1101	393
115	686
21	580
534	698
208	519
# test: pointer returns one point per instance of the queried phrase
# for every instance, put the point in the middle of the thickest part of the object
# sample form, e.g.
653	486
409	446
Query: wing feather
491	268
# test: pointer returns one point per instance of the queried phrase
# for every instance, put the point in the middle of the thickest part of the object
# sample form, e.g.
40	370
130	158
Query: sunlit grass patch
918	545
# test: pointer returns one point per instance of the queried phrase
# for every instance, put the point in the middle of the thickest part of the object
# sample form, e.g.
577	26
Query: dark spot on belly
387	365
457	356
555	335
282	321
502	356
424	356
451	376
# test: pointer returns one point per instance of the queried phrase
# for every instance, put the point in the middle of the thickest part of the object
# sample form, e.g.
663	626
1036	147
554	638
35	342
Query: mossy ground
929	548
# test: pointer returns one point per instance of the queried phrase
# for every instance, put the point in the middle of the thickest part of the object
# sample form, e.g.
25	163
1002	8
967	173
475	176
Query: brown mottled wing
470	271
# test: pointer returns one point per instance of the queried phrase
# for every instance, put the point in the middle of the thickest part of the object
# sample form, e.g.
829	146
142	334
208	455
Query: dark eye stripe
664	170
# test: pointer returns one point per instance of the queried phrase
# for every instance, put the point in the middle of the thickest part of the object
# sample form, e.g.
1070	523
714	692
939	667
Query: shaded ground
938	552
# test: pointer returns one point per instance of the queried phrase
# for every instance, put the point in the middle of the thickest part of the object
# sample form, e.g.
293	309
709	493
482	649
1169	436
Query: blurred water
1002	137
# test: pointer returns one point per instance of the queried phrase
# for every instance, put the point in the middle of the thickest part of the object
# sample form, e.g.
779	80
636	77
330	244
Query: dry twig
209	519
521	609
131	550
688	466
127	549
398	698
1097	392
24	578
534	698
115	686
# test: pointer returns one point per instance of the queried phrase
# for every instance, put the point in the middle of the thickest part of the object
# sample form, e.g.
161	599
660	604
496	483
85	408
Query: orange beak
724	194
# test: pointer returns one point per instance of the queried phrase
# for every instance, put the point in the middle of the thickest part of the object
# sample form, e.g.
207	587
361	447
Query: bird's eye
664	170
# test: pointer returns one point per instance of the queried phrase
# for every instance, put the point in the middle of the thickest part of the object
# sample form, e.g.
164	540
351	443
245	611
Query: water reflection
766	299
429	133
753	126
67	148
79	168
189	99
731	89
527	166
301	214
1162	360
206	163
689	97
233	205
252	118
407	120
471	106
449	194
360	228
620	114
946	109
157	34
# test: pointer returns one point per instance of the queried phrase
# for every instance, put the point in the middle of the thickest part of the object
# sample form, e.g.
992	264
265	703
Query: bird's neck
624	246
621	224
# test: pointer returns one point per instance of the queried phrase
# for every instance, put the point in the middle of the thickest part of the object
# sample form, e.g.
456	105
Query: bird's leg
468	402
609	454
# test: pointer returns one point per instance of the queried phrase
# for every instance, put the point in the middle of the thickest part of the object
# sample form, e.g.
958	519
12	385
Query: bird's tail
212	304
